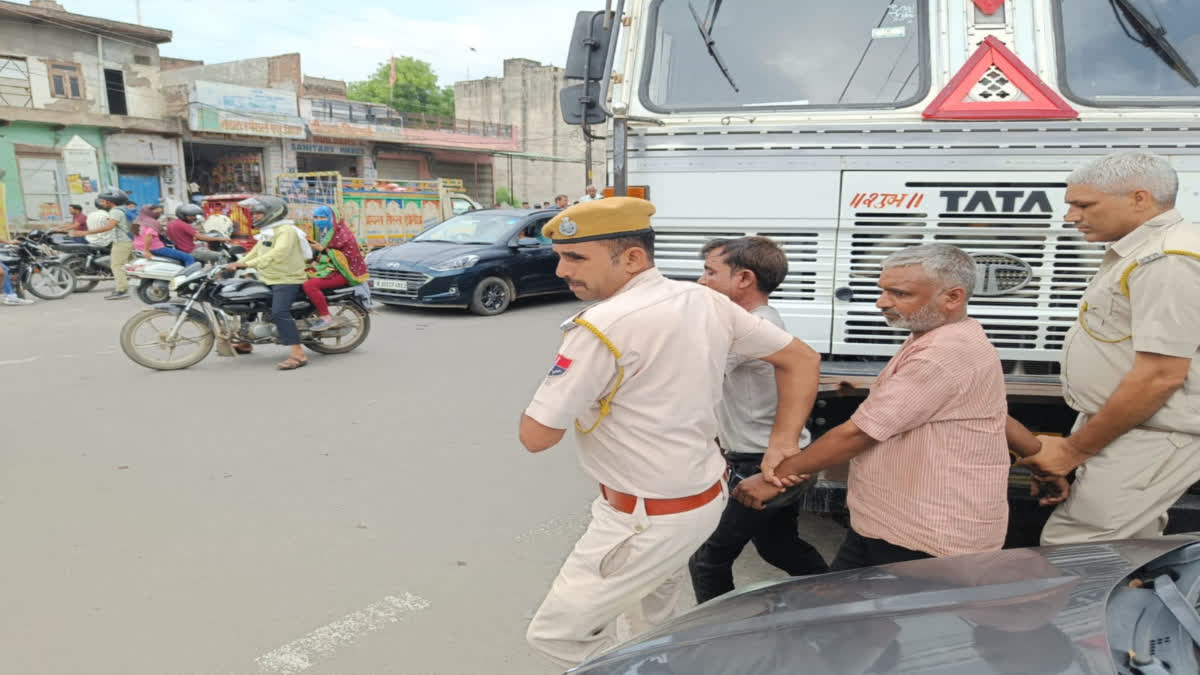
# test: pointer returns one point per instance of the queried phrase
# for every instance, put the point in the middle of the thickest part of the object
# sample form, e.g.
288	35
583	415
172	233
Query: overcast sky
345	39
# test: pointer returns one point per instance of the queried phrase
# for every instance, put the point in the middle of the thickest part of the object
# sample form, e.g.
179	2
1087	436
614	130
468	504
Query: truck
847	131
381	212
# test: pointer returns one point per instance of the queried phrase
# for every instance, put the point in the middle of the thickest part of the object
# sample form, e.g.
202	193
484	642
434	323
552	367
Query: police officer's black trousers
773	532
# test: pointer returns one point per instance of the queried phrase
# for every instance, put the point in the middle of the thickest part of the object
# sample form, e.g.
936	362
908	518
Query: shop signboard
3	215
83	173
327	149
232	109
355	130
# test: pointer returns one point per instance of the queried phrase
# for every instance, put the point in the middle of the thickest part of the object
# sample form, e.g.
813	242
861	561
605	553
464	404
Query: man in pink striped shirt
927	450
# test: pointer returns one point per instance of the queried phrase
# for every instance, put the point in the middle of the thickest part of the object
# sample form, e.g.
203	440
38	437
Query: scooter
154	274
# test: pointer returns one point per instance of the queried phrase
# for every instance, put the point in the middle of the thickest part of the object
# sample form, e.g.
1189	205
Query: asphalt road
371	513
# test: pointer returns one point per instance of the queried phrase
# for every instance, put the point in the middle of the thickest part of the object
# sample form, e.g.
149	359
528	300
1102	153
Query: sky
346	40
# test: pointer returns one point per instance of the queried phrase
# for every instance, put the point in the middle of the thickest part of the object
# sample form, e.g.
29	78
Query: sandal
292	364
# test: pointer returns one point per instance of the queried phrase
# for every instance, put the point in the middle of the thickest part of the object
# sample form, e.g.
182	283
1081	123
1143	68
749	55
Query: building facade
81	109
550	159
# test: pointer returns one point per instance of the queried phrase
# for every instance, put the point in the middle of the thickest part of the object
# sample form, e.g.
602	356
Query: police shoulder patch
561	364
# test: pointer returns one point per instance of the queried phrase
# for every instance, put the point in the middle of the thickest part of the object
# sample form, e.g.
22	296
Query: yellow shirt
279	260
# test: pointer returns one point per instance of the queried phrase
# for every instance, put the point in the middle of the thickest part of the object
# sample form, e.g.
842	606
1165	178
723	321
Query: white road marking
17	362
298	655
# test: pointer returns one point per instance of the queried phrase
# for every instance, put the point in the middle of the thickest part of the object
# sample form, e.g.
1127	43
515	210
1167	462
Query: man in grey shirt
747	270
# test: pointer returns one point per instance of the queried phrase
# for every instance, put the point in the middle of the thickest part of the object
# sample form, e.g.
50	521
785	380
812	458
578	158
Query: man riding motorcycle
182	233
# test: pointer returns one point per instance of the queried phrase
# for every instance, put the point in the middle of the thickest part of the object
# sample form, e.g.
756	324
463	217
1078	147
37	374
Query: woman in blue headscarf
339	262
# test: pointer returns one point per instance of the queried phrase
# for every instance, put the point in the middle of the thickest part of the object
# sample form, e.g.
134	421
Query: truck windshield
1123	52
785	54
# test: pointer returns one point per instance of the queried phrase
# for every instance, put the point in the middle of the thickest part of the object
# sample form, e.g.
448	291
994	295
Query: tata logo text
996	201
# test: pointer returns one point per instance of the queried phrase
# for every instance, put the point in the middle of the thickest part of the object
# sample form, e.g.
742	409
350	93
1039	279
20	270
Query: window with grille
66	80
14	82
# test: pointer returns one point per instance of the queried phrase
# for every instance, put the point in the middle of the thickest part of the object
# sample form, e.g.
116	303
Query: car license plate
391	284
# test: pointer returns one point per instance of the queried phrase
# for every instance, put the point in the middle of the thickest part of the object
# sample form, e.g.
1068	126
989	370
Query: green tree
505	197
416	89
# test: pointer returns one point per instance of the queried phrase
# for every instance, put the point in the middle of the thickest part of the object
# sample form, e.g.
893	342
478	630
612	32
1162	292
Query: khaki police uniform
1142	299
661	346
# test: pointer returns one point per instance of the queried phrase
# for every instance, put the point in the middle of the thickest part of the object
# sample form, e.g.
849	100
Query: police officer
638	377
1128	362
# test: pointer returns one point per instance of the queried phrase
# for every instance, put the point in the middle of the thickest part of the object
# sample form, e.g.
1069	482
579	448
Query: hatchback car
1104	608
481	260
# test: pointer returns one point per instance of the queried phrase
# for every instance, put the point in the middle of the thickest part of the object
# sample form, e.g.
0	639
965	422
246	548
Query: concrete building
551	157
250	121
80	110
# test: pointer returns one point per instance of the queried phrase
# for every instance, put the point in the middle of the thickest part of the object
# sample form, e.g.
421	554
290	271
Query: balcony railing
340	110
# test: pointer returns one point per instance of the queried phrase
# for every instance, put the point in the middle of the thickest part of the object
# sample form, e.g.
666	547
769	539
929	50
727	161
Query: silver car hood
1037	610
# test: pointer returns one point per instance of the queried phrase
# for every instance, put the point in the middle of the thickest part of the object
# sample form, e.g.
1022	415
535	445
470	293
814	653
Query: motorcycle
88	262
214	310
154	274
32	269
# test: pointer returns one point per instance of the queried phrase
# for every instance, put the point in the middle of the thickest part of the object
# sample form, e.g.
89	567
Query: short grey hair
943	263
1124	172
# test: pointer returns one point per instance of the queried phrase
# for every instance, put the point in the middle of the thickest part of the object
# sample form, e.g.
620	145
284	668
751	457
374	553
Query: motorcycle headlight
459	263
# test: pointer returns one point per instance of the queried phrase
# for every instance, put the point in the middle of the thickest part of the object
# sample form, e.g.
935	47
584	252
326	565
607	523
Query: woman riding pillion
339	264
280	258
149	237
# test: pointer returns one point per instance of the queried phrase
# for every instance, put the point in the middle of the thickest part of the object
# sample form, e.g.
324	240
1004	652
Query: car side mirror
528	242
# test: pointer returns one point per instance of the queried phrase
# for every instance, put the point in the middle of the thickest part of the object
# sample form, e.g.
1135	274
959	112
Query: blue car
481	261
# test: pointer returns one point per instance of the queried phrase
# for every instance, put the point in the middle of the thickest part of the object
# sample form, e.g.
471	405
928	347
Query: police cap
610	218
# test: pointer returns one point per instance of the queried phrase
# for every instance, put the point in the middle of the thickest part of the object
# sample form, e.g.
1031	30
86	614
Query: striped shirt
937	481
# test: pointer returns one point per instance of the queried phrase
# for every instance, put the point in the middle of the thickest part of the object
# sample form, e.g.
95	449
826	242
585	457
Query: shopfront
149	168
46	169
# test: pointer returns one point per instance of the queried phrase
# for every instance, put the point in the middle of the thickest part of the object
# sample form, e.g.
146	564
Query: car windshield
785	54
1118	52
471	228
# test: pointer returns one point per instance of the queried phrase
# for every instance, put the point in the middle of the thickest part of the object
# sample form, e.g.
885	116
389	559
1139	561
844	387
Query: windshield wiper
705	25
1155	37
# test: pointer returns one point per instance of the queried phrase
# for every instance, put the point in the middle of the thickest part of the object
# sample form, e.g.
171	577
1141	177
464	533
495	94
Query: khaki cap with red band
610	218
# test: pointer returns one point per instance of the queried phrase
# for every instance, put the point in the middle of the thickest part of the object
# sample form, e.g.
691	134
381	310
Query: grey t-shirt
121	232
746	412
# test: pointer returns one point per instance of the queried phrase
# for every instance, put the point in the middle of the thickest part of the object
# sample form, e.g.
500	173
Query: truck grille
1023	219
677	252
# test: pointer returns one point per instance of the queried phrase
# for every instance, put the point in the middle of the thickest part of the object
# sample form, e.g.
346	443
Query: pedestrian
589	194
927	448
131	211
182	233
638	377
339	264
524	205
279	258
747	271
110	203
149	237
1128	363
560	202
6	284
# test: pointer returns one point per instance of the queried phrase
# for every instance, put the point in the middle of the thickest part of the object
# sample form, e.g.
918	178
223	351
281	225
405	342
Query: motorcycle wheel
144	340
349	316
153	291
50	282
78	266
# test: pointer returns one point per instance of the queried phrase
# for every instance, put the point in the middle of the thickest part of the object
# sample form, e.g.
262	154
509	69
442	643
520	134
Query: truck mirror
580	104
589	39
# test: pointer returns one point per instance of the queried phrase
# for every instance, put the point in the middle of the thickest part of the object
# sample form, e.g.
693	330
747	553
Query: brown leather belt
626	503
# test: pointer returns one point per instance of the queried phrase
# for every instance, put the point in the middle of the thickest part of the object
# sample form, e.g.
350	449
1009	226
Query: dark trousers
859	551
773	532
282	297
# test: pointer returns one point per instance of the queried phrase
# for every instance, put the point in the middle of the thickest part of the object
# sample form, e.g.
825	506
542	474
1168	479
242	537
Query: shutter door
398	169
480	189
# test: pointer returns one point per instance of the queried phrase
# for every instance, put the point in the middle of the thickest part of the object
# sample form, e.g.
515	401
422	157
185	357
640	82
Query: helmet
272	209
113	195
186	210
97	203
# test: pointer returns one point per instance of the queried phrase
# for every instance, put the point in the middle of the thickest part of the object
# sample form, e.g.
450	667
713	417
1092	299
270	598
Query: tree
416	89
503	196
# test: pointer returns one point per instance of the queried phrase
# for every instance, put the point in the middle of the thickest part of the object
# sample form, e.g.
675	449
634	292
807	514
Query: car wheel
492	296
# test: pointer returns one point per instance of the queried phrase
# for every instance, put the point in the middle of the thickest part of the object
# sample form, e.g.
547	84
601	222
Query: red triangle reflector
989	7
994	85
